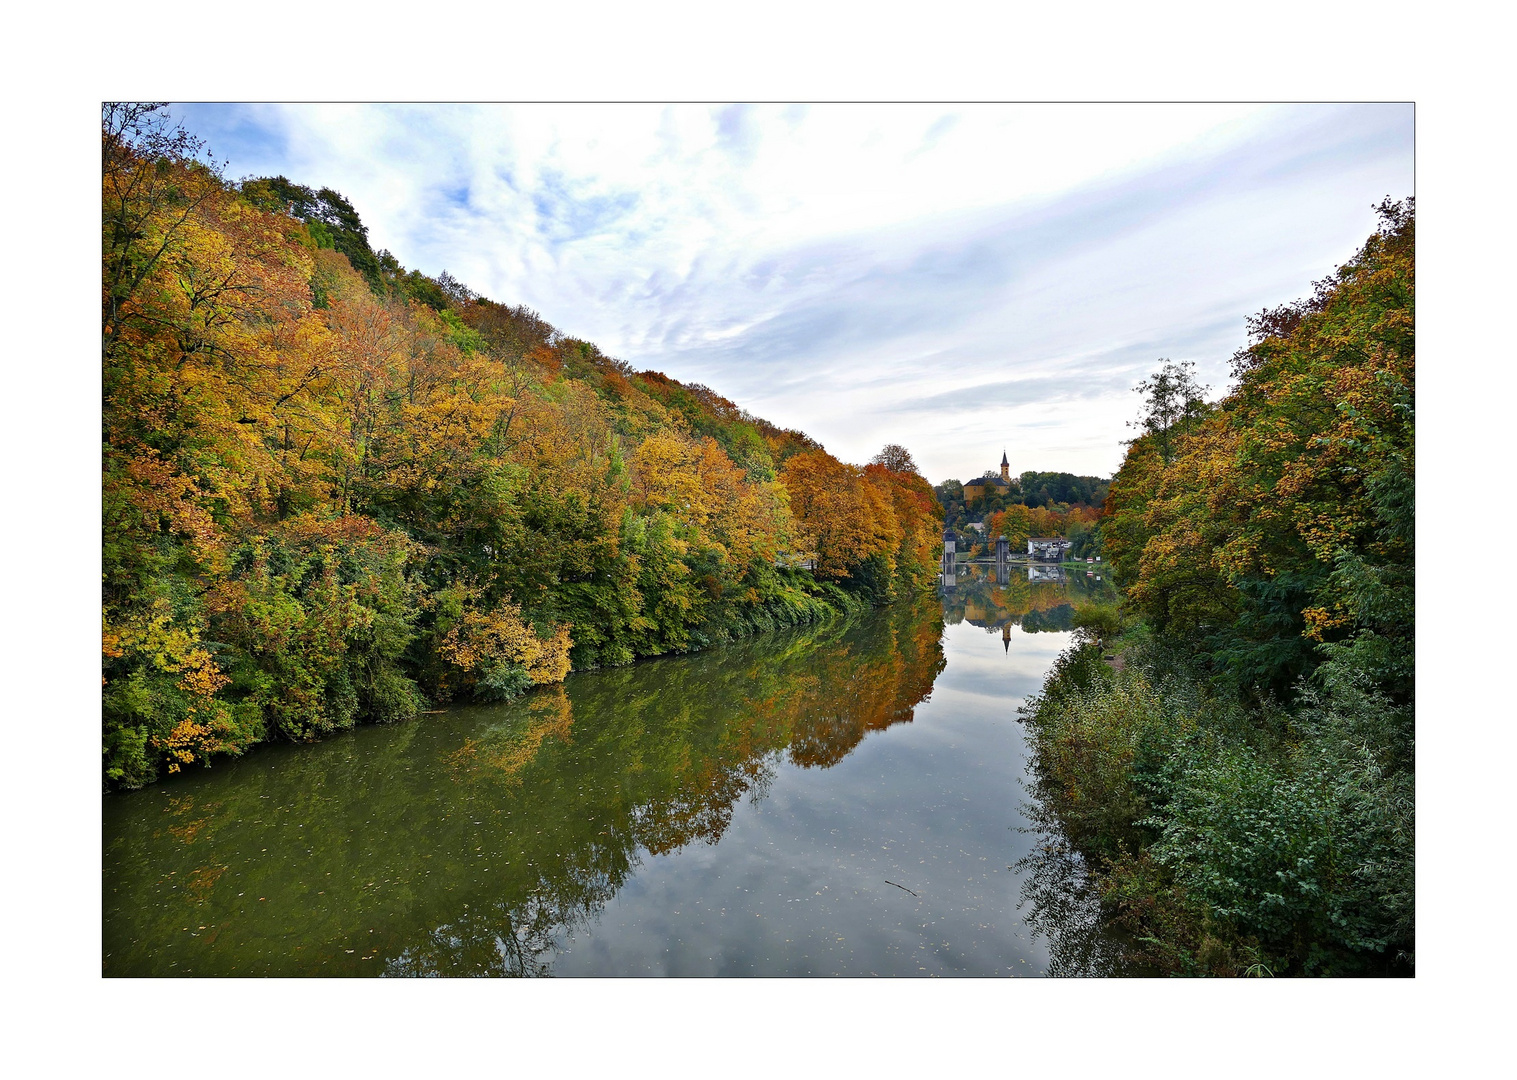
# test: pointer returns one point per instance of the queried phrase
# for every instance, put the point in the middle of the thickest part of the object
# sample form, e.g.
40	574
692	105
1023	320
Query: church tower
1005	467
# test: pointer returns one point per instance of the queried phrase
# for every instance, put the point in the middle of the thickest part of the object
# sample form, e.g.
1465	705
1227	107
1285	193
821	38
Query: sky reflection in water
831	801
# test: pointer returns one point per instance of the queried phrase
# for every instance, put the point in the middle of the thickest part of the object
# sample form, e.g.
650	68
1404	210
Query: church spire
1005	466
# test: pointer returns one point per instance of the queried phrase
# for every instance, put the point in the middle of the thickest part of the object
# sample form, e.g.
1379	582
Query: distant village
1040	516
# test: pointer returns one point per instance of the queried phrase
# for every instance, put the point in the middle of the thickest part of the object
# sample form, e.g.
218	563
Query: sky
959	279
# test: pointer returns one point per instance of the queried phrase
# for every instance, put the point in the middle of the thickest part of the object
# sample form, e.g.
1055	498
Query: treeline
1243	778
335	490
1034	489
1054	488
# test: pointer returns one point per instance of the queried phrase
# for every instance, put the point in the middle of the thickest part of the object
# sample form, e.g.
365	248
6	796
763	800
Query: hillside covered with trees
335	490
1233	752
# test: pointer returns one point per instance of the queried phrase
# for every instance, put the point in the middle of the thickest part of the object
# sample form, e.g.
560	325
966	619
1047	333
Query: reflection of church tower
1006	636
1005	467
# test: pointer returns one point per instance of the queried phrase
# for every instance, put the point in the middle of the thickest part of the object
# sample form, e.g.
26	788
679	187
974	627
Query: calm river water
846	800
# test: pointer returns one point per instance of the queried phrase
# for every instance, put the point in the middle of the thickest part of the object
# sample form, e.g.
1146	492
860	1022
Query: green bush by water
1232	836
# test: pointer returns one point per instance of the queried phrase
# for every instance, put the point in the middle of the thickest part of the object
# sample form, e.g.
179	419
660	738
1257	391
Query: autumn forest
336	491
339	492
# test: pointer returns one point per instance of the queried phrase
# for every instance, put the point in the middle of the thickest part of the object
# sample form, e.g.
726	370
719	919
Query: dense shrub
1233	835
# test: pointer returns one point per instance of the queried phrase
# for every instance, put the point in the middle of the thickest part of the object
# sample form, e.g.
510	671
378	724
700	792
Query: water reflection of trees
699	735
994	600
1060	905
514	937
476	843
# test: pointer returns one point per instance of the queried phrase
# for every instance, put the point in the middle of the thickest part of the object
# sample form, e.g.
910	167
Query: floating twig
889	882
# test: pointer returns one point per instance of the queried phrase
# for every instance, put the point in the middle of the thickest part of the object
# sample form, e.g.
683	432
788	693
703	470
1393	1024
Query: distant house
982	487
1047	547
978	526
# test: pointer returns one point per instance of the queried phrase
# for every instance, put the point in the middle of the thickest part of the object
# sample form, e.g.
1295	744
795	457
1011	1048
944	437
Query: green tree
1173	403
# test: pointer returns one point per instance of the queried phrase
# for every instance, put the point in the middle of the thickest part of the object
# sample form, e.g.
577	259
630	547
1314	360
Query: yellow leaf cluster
480	639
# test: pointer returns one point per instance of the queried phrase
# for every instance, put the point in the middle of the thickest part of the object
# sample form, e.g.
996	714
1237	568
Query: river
841	800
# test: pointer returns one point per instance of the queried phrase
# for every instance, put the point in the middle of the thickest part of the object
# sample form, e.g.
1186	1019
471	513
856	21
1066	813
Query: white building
1047	547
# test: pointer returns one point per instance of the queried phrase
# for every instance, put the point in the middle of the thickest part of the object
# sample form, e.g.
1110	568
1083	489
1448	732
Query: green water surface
839	800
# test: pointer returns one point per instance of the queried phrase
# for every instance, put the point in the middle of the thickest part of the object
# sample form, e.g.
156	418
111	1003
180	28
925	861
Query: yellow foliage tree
501	654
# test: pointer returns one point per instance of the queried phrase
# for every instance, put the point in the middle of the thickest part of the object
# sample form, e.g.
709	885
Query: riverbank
795	599
1243	782
474	507
1229	836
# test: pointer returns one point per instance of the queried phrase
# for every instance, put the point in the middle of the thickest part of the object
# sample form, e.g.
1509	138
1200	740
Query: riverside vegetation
1240	780
335	490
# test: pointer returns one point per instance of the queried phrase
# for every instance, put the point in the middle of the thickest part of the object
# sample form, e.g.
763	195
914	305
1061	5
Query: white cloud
954	278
